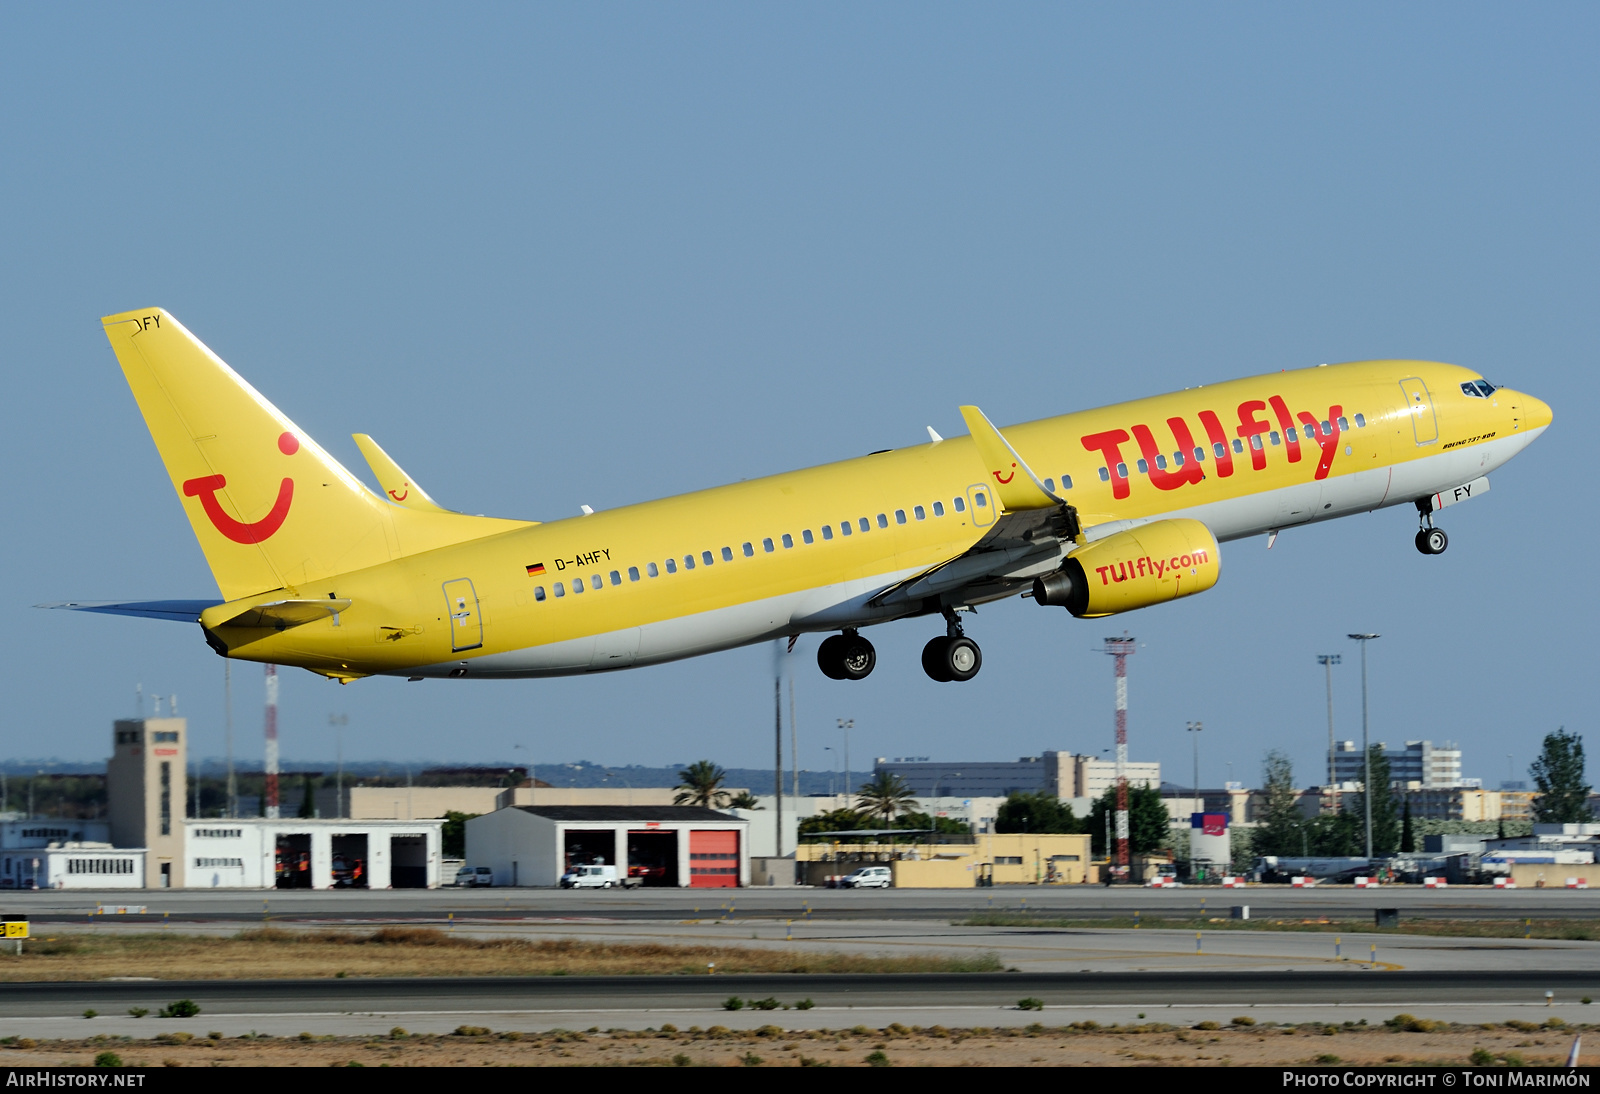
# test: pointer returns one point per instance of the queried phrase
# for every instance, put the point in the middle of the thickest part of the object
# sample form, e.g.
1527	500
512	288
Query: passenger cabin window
560	591
749	550
864	524
788	540
1144	468
827	531
1199	455
1177	459
1105	476
1255	442
672	565
1161	461
727	553
1219	449
883	520
1293	435
1122	470
633	573
981	500
1066	482
688	562
1276	440
705	557
1238	446
918	512
960	504
616	578
938	508
538	592
650	568
766	545
806	535
596	581
845	529
899	516
577	584
1361	421
1344	424
1049	486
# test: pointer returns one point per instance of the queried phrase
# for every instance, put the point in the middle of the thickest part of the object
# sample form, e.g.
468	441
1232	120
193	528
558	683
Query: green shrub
769	1003
680	1060
1206	1025
472	1031
182	1008
107	1059
878	1059
90	1013
733	1002
1244	1020
804	1004
1481	1057
1030	1003
750	1059
138	1012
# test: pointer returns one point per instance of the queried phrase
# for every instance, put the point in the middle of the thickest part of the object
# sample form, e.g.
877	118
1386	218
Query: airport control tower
146	789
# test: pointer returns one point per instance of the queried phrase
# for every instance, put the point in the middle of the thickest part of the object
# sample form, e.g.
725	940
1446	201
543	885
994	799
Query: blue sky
584	254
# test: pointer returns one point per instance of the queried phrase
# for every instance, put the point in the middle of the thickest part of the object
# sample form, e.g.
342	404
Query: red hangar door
713	860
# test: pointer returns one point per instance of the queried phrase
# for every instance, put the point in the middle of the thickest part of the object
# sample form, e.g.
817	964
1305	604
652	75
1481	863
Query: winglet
1017	491
396	485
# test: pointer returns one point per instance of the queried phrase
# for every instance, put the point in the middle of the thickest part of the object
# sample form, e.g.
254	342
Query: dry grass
1395	1042
1565	930
272	953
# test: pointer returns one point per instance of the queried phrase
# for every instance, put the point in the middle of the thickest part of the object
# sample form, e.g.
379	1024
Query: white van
474	876
869	877
590	877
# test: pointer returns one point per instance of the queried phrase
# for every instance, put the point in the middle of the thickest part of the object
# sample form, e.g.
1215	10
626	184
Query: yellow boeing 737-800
1098	512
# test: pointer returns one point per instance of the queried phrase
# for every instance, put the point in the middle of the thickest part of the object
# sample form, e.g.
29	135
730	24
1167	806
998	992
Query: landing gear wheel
1432	541
952	659
829	659
846	656
962	659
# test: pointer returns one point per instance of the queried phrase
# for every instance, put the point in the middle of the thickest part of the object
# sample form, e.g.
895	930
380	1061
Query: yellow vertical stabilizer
271	509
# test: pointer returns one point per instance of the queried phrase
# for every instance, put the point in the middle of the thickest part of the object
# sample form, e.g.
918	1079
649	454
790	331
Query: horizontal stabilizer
1014	481
181	611
273	615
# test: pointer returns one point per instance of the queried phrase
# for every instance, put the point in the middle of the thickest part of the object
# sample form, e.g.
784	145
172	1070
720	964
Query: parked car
869	877
474	876
590	877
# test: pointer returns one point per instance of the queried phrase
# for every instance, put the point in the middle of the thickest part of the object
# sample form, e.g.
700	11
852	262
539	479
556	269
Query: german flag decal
536	569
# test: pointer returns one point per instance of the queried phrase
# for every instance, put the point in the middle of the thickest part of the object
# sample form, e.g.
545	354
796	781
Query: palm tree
743	800
886	795
701	784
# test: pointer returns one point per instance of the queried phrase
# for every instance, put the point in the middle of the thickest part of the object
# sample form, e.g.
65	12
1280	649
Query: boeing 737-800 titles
1097	512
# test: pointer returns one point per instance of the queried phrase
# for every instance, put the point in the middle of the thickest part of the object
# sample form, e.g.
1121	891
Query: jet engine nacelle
1147	565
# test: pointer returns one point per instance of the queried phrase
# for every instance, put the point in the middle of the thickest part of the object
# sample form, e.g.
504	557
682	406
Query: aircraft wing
1029	538
182	611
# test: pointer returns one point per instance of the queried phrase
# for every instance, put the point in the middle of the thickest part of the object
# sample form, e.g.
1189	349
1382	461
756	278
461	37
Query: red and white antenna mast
271	788
1121	649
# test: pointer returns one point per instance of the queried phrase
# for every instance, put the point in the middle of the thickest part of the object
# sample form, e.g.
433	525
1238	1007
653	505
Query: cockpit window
1478	389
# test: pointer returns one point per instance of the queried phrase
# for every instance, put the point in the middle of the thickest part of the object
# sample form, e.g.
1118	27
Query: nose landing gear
1430	540
846	656
953	657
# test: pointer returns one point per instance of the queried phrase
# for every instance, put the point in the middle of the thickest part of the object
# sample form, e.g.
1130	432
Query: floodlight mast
1121	649
1327	661
1366	744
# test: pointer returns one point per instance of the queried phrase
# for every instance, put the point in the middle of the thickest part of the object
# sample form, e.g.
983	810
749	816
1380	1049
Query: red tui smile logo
206	488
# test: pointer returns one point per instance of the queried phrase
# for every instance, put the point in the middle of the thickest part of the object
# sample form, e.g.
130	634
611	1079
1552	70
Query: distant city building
1063	774
1456	804
1418	762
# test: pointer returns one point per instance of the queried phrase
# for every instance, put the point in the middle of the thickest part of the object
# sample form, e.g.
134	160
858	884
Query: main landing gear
953	657
846	656
1430	540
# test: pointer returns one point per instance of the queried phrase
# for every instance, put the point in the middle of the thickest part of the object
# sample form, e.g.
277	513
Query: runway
779	903
357	1007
